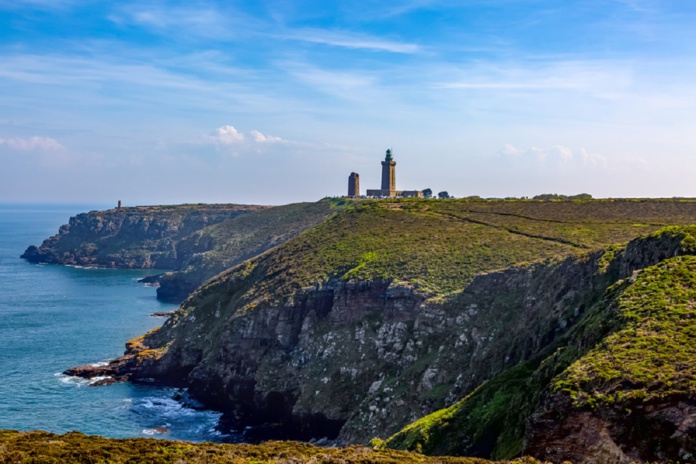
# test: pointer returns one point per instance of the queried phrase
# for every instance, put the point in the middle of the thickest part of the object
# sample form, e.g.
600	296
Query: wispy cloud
31	143
597	77
39	4
640	6
261	138
352	40
199	21
345	85
561	156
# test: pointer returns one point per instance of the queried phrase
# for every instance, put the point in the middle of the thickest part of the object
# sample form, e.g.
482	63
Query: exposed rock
342	351
151	281
140	237
162	313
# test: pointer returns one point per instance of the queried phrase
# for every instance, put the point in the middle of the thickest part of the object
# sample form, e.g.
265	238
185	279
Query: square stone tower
354	185
389	174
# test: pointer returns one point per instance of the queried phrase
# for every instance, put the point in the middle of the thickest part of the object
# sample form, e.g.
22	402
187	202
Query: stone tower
389	174
354	184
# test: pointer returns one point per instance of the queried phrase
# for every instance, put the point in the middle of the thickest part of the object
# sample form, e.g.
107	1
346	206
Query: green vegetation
651	356
633	347
136	237
439	246
47	448
486	422
209	251
556	196
546	315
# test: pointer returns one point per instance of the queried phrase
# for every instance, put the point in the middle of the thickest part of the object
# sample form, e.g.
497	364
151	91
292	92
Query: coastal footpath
492	329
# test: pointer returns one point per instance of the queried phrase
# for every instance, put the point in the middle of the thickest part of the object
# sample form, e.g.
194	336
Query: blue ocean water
55	317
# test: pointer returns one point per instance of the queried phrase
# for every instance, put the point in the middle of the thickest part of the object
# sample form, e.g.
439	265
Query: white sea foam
99	378
166	415
70	380
100	364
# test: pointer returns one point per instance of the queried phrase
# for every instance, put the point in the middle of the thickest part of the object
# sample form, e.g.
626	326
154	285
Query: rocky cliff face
615	386
354	361
209	251
137	237
300	349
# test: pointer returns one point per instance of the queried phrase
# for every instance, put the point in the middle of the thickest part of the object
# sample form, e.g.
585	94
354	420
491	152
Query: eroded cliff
142	237
618	387
209	251
393	310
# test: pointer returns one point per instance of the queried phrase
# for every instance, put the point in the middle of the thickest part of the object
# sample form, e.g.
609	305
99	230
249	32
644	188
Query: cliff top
440	245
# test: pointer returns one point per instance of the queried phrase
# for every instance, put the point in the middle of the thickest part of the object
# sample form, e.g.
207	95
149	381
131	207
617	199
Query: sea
54	317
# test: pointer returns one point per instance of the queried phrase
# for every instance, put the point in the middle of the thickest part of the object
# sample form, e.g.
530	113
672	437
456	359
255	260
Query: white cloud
31	143
599	77
227	135
350	40
558	154
199	20
261	138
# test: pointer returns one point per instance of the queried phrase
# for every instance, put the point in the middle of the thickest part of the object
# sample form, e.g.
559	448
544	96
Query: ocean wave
167	417
99	378
159	430
70	380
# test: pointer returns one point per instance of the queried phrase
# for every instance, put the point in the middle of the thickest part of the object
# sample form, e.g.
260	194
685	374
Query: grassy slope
441	245
637	345
221	246
651	354
74	447
436	245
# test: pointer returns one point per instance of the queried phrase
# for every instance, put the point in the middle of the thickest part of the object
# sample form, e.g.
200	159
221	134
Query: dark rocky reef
143	237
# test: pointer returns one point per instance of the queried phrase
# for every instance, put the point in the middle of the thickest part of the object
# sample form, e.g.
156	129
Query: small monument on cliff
119	204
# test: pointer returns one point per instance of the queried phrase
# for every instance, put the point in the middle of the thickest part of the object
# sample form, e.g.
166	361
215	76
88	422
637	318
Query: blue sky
278	101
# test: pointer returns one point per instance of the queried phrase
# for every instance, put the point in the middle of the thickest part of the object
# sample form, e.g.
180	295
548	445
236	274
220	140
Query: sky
278	101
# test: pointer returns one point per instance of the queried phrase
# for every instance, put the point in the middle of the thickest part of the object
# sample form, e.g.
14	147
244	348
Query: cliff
395	309
140	237
197	242
618	387
211	250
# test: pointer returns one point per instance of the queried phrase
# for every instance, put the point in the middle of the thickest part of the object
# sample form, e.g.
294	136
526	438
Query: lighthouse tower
389	175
